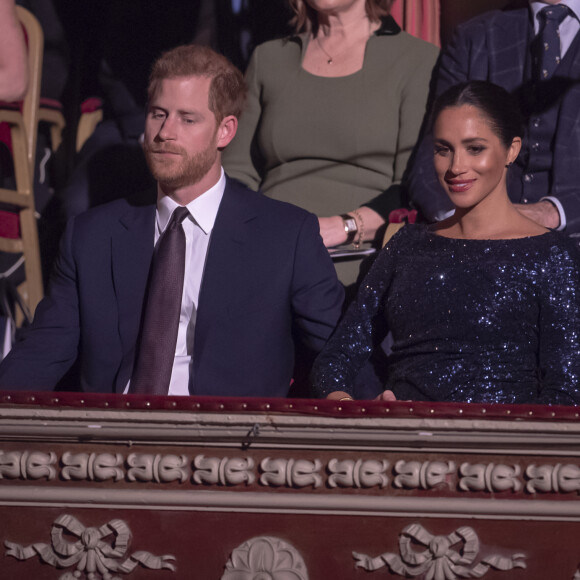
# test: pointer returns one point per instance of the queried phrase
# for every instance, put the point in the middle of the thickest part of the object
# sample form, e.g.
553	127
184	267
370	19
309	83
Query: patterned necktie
549	47
156	353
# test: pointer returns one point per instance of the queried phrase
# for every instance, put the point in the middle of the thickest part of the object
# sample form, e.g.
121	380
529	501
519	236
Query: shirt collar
537	5
203	208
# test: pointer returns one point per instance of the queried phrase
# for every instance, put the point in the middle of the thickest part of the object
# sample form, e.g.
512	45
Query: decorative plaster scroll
553	478
94	466
490	477
439	560
349	473
159	468
426	475
95	553
27	465
264	558
224	471
290	472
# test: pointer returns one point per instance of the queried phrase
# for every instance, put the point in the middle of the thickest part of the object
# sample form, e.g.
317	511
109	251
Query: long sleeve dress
494	321
330	145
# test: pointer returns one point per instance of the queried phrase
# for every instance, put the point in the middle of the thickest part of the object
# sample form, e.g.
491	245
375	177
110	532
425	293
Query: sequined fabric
493	321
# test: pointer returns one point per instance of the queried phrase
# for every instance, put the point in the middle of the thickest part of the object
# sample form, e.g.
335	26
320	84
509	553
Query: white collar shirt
197	227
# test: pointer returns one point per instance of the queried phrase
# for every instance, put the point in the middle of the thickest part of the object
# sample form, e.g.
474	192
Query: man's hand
332	231
543	213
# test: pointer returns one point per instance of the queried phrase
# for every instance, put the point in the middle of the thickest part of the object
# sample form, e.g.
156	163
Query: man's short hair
227	91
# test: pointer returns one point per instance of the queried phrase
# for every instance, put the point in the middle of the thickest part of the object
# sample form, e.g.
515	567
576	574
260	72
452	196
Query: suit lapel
225	262
132	249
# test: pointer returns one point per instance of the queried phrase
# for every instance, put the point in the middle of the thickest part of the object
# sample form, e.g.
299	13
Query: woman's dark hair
499	107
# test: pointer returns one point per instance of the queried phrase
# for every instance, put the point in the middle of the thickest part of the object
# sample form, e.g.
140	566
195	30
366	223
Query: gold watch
350	227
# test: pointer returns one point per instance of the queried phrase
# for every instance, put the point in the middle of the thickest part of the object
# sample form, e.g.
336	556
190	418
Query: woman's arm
362	328
559	330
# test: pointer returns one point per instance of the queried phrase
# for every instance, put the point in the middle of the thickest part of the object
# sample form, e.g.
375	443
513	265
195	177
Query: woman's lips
459	186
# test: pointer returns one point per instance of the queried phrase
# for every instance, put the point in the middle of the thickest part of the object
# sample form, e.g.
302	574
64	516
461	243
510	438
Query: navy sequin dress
493	321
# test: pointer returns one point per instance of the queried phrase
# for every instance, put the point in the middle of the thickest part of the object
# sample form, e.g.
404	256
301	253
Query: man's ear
226	131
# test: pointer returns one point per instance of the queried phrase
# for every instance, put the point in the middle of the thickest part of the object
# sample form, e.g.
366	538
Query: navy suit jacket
495	47
267	278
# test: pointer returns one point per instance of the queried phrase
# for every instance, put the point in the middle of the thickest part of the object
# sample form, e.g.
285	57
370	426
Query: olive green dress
331	145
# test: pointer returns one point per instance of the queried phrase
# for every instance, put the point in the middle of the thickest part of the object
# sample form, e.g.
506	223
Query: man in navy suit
257	275
505	47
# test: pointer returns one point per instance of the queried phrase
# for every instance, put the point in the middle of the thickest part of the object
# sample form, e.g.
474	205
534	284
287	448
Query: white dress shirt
197	227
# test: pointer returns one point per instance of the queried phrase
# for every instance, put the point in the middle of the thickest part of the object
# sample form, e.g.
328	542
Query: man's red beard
179	170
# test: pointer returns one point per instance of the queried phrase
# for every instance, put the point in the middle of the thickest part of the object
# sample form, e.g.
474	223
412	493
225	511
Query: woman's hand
332	231
386	396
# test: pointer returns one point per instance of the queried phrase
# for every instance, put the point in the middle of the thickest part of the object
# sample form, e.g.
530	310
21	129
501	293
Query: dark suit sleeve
464	59
50	346
317	295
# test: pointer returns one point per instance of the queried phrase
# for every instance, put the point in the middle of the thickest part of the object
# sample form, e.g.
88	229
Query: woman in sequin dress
484	306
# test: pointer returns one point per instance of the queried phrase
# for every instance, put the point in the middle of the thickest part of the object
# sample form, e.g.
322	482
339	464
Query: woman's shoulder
278	50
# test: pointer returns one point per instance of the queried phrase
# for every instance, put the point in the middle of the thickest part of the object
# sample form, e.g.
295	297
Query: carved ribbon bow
91	552
439	561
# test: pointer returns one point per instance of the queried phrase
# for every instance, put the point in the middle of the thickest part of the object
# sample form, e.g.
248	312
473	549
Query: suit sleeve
50	346
317	295
241	158
559	341
360	331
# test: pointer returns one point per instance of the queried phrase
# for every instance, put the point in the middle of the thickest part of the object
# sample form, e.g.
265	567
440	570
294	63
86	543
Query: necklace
329	57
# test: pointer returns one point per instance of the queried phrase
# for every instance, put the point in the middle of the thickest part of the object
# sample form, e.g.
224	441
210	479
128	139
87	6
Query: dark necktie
549	46
156	352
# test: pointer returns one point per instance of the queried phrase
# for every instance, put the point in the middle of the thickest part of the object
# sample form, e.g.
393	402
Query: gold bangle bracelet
349	398
361	230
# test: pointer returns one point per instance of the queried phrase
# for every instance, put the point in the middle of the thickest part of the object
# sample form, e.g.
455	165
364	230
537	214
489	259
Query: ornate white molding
424	475
359	473
378	505
264	558
553	478
27	465
438	559
223	471
92	466
290	472
94	554
489	477
158	468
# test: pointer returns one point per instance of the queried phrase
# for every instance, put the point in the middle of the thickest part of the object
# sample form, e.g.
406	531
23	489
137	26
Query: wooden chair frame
23	124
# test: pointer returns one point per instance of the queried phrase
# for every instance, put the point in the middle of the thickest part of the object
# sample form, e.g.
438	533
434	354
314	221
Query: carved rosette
491	477
438	558
290	472
27	465
93	466
158	468
94	553
360	473
265	558
426	475
553	478
223	471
